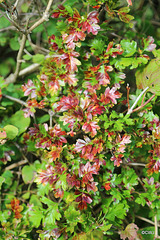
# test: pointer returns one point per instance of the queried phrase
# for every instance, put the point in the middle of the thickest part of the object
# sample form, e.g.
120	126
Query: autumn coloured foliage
94	147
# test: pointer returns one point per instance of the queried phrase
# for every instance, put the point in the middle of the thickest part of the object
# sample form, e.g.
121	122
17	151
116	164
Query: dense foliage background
80	128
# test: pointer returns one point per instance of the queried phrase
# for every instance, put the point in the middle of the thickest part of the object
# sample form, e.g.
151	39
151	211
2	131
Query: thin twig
43	19
14	165
16	3
137	164
135	103
8	28
156	228
30	69
128	88
155	23
146	220
19	56
145	189
15	100
143	105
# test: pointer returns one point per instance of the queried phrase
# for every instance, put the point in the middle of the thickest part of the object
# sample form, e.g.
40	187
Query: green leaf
44	118
35	200
36	216
14	44
118	126
149	77
53	214
27	174
24	7
140	200
43	189
105	228
62	182
38	58
19	121
97	45
27	57
123	63
11	131
26	195
8	178
129	47
72	214
47	201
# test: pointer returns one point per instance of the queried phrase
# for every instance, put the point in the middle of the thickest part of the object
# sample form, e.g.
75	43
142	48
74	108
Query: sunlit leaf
11	131
150	77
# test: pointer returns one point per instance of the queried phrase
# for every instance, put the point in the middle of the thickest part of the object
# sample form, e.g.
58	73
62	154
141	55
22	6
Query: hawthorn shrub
91	146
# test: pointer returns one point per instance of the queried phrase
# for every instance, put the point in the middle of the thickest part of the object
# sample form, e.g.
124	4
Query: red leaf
90	25
117	159
86	171
110	95
91	127
67	103
16	208
107	186
73	180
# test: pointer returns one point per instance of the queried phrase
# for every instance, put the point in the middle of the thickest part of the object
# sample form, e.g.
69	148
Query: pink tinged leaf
54	86
29	112
125	139
92	187
151	45
110	95
2	134
58	193
74	62
74	35
117	159
29	88
67	103
91	128
46	176
84	102
71	45
93	15
103	78
130	232
86	198
71	79
80	144
73	180
90	25
129	2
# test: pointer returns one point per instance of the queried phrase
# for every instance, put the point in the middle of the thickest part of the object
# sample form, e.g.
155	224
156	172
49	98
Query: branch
137	164
135	103
43	19
144	103
12	77
146	220
156	228
15	100
29	69
19	56
128	88
14	165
